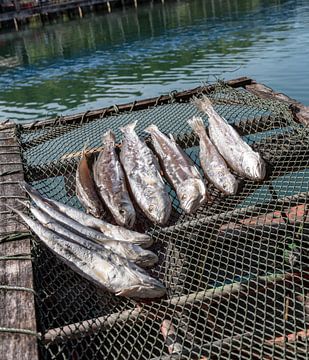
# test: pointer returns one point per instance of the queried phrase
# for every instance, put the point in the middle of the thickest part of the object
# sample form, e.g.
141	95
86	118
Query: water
130	54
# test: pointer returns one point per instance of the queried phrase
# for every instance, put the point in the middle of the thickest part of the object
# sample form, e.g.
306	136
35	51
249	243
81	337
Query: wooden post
16	24
109	9
17	315
80	11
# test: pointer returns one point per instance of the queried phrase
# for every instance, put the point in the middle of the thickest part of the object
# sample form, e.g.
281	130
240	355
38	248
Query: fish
179	170
85	188
111	183
236	152
134	253
106	269
213	164
143	174
107	229
46	206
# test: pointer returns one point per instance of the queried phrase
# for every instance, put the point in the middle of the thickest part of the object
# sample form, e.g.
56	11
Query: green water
106	59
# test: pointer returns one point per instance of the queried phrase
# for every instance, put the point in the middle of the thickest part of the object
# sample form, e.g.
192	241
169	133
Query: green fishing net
236	271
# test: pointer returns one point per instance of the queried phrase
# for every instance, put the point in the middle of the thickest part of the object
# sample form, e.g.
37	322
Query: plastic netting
236	272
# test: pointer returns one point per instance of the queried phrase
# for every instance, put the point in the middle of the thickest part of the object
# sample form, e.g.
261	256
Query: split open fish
213	164
236	152
111	183
143	174
179	170
85	188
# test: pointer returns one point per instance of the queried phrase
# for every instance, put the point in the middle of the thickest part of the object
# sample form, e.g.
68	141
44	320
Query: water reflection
107	59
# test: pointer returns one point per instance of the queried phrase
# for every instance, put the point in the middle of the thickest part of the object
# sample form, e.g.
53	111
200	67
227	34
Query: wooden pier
48	10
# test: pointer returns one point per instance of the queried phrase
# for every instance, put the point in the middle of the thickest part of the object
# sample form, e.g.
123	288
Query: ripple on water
103	60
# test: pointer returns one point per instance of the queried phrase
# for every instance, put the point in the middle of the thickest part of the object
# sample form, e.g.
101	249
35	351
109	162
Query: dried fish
85	188
179	170
236	152
104	268
142	171
213	164
48	206
134	253
111	184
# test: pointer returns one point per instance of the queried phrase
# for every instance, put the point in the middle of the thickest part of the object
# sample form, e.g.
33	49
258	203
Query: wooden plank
135	106
16	305
300	111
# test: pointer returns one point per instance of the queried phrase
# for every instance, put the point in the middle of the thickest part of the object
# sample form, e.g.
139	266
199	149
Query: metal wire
236	272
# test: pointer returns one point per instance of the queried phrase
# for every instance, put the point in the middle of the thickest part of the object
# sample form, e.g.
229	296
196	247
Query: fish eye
121	212
151	208
184	196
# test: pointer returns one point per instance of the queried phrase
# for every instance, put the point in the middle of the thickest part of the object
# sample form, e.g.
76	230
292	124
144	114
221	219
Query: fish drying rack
236	272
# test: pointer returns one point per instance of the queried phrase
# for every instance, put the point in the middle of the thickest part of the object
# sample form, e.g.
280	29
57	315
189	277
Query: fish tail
108	137
204	105
24	203
151	128
129	127
197	124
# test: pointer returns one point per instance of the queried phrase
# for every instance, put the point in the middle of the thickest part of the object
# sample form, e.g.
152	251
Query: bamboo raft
41	318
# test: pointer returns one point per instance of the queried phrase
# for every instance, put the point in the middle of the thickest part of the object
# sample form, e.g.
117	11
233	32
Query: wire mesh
236	272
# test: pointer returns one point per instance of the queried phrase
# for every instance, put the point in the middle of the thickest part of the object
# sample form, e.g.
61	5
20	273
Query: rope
9	182
83	117
11	172
116	109
103	114
12	163
16	288
157	101
14	237
20	331
16	257
133	105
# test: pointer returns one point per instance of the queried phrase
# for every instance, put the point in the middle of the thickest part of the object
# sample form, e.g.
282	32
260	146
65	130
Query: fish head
125	215
158	209
229	184
191	195
254	166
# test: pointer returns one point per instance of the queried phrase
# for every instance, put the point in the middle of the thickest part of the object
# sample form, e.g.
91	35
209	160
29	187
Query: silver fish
85	188
179	170
236	152
46	206
213	164
142	171
111	184
134	253
106	269
107	230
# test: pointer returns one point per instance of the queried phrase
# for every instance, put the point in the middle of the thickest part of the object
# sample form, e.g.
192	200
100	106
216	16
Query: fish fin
129	127
151	128
197	124
108	137
203	104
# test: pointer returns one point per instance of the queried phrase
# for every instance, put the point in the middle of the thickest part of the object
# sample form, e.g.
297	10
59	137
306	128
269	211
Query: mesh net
236	272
